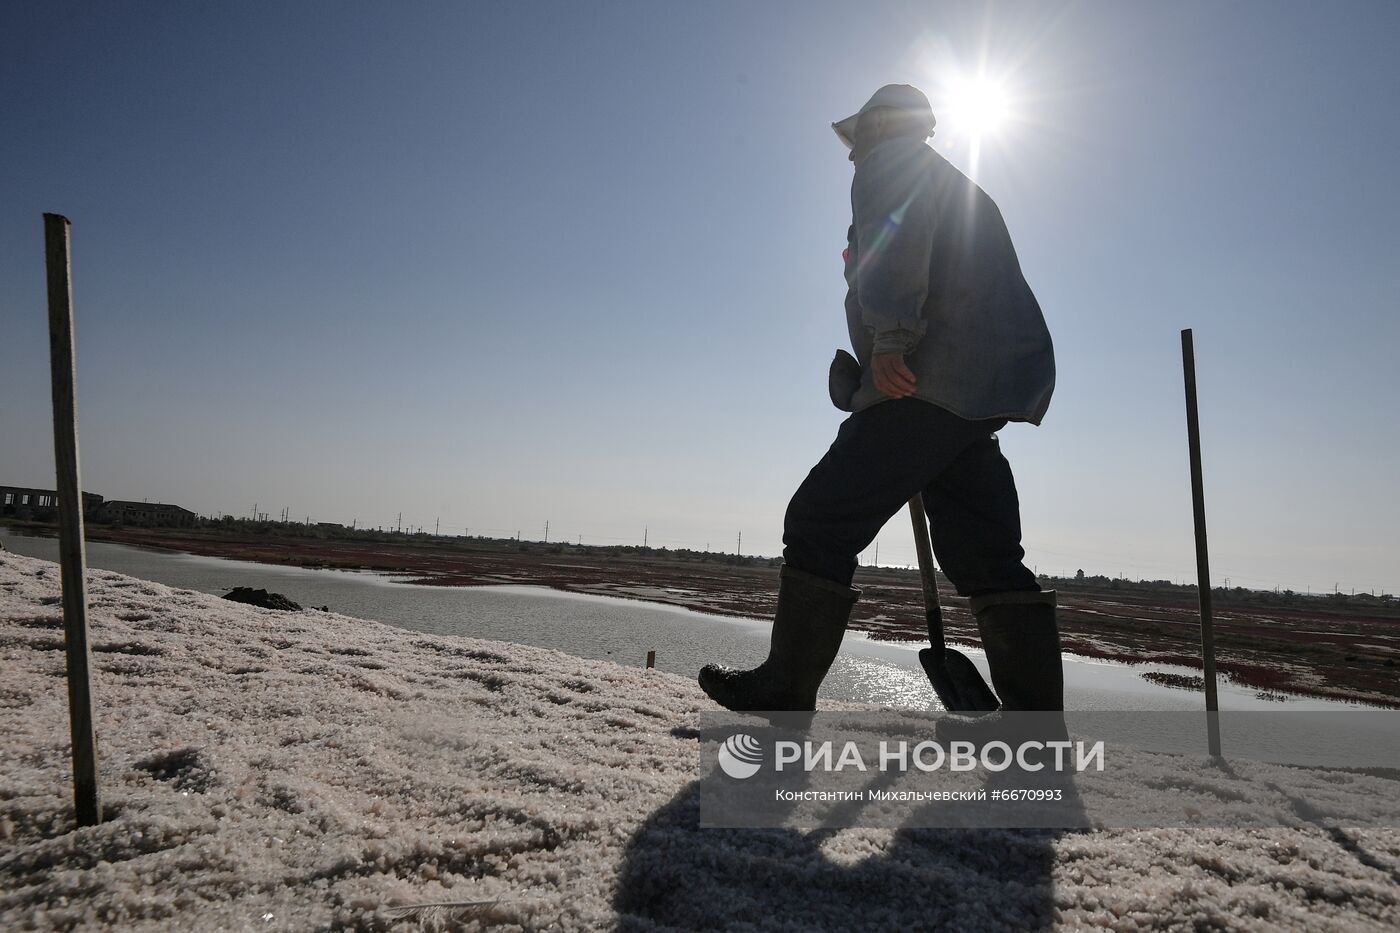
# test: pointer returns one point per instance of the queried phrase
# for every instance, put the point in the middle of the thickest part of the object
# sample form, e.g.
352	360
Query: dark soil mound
246	594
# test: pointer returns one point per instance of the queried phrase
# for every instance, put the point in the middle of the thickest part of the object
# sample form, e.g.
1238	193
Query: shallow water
622	630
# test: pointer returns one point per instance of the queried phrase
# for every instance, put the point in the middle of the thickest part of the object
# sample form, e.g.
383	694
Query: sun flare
978	107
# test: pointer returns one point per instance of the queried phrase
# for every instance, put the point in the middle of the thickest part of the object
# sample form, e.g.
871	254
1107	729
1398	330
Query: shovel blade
957	681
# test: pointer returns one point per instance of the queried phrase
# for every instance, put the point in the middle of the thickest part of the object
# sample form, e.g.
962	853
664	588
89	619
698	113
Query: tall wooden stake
1198	502
72	559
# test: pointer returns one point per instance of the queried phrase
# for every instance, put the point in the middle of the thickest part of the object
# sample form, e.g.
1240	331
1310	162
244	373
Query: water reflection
620	630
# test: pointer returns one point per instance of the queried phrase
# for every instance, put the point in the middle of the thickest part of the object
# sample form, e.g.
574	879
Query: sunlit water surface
622	630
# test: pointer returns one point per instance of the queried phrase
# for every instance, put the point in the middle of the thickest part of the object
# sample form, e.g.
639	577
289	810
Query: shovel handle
932	611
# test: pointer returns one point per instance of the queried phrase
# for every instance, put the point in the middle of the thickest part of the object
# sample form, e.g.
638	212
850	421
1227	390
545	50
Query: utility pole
255	511
400	525
739	548
437	526
645	531
546	531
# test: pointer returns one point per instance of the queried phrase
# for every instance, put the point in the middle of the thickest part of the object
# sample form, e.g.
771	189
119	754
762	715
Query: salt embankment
272	770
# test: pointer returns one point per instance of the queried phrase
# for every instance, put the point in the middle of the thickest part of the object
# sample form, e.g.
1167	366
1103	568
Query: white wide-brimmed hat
904	97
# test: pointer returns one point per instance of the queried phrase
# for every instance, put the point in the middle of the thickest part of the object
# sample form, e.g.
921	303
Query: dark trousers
885	455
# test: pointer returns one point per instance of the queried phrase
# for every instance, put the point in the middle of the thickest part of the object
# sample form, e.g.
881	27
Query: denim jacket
931	272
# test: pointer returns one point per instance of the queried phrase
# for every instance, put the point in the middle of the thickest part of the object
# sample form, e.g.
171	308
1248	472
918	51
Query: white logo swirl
740	756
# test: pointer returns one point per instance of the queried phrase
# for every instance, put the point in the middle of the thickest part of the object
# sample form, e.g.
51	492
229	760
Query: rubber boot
807	629
1023	649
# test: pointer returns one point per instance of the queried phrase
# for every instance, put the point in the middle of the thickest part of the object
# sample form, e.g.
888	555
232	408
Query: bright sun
977	106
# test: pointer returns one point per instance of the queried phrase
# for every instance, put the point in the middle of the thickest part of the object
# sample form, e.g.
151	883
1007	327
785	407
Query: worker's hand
892	377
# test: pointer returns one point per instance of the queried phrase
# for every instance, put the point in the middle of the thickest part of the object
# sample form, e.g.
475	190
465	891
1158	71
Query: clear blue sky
503	264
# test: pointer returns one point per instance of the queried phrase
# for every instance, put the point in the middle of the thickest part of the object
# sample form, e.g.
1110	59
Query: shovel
955	678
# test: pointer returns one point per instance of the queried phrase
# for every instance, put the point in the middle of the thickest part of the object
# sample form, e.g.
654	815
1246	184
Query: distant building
40	504
122	512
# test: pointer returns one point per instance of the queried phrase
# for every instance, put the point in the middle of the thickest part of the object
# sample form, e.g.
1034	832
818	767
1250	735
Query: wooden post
87	803
1198	503
651	658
